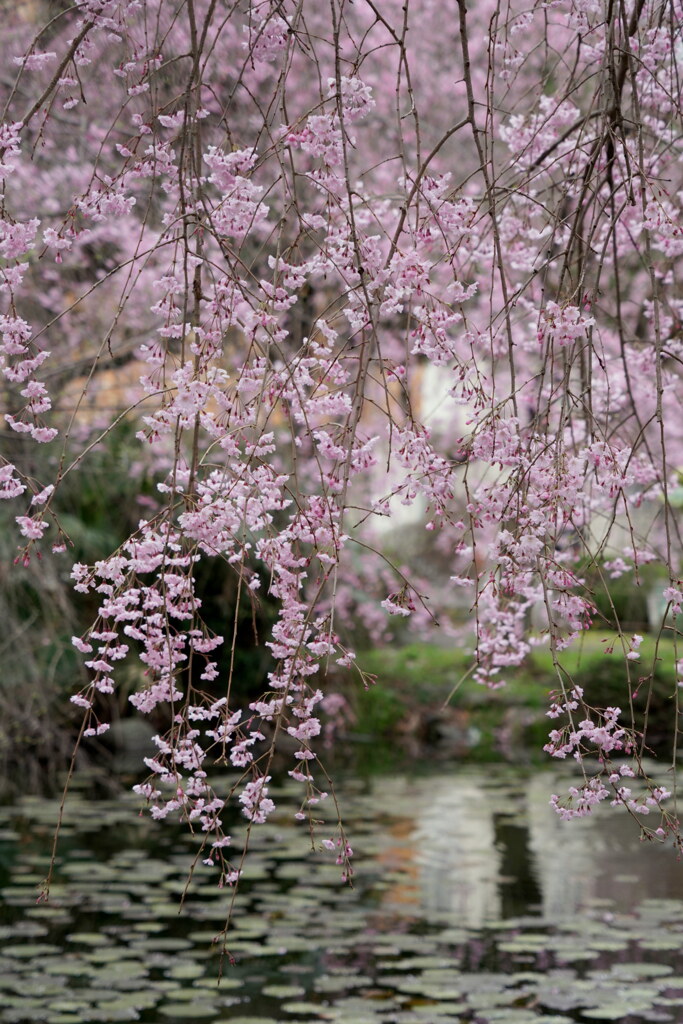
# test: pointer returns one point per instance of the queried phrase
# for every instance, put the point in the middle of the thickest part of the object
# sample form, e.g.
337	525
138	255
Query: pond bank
423	697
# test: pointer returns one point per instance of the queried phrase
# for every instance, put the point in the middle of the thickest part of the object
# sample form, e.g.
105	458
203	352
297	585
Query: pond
471	903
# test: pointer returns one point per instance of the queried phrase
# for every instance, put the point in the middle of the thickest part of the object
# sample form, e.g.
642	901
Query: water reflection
598	858
444	861
518	882
460	863
487	846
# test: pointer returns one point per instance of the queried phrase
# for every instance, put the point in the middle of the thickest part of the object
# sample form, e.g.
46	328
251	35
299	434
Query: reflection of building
485	845
567	855
459	865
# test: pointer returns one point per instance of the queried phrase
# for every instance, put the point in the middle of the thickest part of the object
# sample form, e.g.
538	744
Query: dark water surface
472	903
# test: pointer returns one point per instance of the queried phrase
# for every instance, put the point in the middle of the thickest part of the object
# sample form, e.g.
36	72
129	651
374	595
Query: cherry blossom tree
271	220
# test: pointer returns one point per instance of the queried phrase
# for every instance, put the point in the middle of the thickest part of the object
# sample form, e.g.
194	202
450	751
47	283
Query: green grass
421	686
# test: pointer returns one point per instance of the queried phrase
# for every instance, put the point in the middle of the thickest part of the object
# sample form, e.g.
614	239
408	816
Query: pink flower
42	496
35	61
31	527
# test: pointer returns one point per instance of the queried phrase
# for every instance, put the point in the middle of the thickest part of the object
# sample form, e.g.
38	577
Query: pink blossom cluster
371	273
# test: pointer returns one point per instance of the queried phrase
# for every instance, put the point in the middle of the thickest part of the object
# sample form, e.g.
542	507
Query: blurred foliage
98	505
245	668
38	666
627	602
40	612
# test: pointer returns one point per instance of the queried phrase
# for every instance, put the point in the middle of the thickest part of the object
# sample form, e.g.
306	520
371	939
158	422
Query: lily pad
283	991
181	1011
